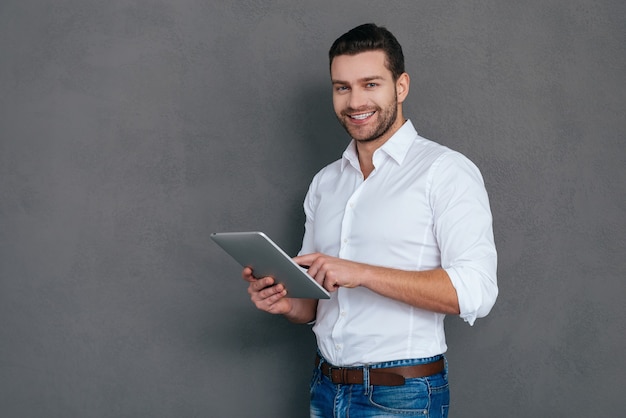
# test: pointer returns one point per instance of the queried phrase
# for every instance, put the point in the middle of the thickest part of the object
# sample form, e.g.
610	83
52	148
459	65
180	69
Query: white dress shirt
423	207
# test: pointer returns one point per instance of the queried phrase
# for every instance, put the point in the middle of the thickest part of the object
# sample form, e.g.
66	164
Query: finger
272	291
318	274
269	295
262	283
312	267
247	274
329	280
257	285
305	259
276	293
317	271
331	285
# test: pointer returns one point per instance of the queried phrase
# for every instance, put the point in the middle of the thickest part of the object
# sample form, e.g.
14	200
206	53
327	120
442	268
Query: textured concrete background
131	130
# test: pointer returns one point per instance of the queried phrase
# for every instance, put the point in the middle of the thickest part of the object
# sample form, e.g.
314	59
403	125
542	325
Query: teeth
362	116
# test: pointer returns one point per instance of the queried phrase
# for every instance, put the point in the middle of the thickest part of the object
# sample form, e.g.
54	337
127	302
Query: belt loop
319	360
366	380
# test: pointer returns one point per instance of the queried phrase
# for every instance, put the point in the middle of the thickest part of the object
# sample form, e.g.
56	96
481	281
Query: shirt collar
396	147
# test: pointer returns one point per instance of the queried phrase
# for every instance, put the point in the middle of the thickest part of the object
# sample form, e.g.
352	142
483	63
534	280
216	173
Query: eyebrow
360	80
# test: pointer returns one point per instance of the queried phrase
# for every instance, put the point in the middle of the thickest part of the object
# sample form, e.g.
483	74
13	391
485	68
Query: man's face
365	96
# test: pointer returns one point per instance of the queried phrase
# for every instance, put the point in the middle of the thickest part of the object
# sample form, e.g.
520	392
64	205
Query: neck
365	149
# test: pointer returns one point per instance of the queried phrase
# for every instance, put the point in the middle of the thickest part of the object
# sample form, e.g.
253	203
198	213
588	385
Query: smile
362	116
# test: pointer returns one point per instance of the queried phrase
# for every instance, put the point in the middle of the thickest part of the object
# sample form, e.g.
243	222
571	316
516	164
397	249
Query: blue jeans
418	397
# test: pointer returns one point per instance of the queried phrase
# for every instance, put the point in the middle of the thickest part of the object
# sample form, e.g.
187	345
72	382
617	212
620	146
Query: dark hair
369	37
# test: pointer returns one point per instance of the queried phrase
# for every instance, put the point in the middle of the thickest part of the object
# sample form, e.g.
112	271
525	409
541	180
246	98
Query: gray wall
131	130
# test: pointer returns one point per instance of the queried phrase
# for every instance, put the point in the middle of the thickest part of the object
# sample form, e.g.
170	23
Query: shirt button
343	313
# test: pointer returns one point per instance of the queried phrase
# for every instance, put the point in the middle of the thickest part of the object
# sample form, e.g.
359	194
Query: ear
402	86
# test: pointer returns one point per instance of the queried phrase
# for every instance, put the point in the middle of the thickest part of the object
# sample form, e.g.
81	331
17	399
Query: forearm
431	290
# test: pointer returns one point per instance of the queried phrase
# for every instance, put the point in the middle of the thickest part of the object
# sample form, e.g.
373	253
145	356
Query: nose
358	99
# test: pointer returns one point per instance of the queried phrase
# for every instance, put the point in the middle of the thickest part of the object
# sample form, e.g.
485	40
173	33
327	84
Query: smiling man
400	231
366	98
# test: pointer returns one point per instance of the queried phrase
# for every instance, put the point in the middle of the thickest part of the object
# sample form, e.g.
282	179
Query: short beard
383	128
388	115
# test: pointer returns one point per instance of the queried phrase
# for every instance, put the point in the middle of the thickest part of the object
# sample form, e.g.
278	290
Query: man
400	231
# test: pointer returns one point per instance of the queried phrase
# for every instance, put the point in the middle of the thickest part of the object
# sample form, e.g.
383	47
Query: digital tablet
257	251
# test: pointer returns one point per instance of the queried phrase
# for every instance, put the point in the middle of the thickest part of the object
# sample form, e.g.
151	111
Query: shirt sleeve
308	244
464	232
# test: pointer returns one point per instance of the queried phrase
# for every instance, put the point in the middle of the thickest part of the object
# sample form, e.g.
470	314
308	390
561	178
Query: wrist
302	311
367	274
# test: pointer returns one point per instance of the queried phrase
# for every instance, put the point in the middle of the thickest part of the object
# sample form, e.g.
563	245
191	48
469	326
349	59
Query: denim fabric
418	397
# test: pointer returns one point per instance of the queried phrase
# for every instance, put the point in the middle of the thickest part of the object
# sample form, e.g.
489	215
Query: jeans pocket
413	398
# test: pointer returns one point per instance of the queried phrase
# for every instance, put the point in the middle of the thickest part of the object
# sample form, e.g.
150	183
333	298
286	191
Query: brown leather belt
389	376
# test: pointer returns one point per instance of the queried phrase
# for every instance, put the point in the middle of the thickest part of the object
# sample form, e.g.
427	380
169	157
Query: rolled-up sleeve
463	227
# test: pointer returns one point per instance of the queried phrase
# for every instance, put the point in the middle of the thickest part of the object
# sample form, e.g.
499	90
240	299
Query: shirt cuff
476	292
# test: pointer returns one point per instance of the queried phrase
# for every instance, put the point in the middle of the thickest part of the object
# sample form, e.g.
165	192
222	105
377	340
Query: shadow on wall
322	133
315	139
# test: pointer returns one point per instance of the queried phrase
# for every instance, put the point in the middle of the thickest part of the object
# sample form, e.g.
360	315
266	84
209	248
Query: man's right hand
266	295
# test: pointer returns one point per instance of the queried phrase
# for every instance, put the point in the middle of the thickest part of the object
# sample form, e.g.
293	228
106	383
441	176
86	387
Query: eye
341	89
371	85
